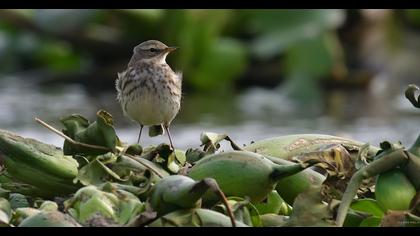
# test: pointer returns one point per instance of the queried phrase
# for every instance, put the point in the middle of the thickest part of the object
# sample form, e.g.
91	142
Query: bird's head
152	50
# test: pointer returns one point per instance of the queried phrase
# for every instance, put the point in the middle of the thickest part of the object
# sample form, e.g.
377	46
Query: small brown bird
149	91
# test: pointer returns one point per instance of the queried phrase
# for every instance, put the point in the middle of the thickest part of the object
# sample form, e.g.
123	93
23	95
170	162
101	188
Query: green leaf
48	206
96	173
12	185
18	200
81	160
255	215
211	142
243	210
134	149
307	62
193	155
310	57
196	33
5	212
57	56
372	221
309	210
354	218
136	190
22	213
281	29
274	204
369	206
164	156
212	71
100	133
362	156
138	166
74	124
4	193
106	202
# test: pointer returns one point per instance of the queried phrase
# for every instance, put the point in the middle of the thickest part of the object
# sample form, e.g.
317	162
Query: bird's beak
170	49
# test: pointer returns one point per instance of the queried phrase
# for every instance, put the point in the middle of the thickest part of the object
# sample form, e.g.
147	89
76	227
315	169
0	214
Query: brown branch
212	183
233	144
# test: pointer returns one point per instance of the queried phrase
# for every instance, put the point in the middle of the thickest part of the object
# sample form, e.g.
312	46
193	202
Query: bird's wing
128	74
118	84
179	78
179	75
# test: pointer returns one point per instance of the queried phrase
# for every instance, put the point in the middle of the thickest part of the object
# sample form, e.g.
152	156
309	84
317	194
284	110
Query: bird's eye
153	50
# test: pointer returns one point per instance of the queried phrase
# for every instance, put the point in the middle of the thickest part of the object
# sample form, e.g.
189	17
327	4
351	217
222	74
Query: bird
148	90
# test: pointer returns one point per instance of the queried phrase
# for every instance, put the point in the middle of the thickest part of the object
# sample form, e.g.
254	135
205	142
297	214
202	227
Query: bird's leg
169	136
141	129
184	169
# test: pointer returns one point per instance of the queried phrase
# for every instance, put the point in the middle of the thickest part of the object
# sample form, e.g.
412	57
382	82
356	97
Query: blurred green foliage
413	16
217	46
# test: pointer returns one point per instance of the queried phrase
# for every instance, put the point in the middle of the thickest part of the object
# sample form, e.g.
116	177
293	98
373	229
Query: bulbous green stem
385	163
202	186
187	194
412	170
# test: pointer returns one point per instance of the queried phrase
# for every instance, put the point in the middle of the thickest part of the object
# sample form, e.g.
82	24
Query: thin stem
387	162
70	139
348	196
216	189
233	144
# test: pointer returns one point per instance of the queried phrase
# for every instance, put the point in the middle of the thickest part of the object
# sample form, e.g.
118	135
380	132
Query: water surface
254	114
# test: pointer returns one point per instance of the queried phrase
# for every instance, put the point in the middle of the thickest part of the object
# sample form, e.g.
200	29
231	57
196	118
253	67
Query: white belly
151	109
